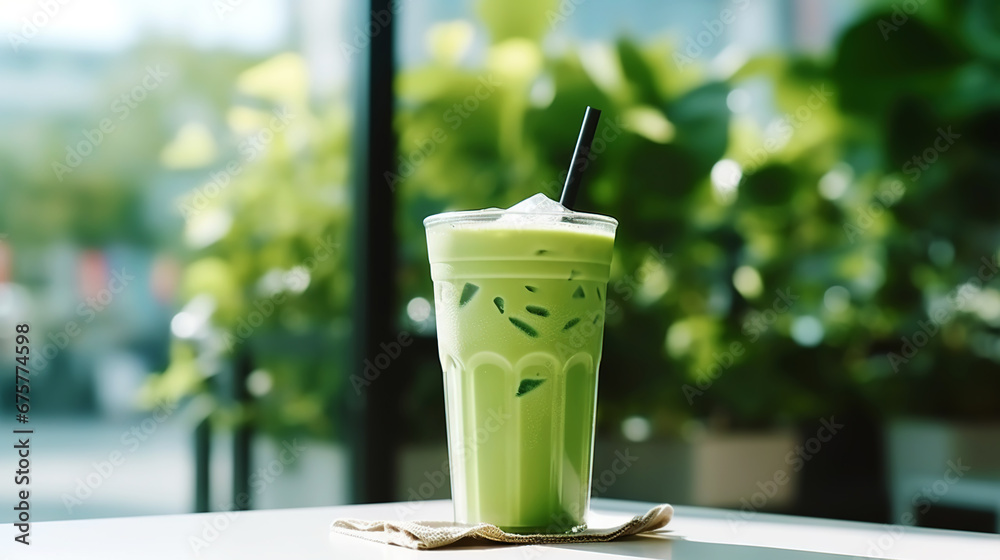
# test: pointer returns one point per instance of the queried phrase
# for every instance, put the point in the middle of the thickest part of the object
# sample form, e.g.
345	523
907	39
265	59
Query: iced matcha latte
520	299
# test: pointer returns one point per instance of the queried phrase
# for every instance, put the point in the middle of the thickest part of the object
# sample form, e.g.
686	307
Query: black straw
580	157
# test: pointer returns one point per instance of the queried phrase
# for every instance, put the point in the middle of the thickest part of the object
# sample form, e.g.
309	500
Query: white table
303	534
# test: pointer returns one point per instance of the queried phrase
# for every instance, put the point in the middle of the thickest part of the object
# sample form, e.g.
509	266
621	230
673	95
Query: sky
115	25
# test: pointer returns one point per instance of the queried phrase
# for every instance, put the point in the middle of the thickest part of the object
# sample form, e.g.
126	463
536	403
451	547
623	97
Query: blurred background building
805	273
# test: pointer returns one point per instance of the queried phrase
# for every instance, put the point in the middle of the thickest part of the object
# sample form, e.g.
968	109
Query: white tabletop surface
303	534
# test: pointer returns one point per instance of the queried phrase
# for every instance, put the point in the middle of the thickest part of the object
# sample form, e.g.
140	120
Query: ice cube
534	210
538	203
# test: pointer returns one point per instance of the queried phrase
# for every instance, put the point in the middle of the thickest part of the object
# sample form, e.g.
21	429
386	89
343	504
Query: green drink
520	300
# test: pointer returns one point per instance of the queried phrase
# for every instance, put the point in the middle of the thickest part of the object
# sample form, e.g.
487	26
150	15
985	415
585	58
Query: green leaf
537	310
879	61
701	118
524	327
528	385
571	323
530	19
638	73
769	186
468	292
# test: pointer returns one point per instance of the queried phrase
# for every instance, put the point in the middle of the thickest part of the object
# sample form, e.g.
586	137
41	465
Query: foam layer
564	251
538	212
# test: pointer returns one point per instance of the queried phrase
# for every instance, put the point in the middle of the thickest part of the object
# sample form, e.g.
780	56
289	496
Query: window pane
176	209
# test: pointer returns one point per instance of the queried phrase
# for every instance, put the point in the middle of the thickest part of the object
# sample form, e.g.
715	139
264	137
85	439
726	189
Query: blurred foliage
805	193
269	226
102	201
827	141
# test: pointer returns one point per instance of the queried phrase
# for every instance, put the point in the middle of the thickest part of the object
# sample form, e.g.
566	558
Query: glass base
549	530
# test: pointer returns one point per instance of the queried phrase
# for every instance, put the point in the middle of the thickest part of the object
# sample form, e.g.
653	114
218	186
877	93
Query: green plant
768	264
812	200
269	274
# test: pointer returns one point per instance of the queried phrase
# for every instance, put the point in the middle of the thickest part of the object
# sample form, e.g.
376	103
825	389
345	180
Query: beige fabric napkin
433	534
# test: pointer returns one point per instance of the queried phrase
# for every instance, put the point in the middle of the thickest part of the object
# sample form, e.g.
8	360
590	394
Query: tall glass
520	303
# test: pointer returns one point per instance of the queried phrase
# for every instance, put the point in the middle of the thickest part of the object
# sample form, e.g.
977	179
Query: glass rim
477	216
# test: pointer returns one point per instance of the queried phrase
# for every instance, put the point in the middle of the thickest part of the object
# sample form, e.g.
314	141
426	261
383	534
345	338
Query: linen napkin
423	535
